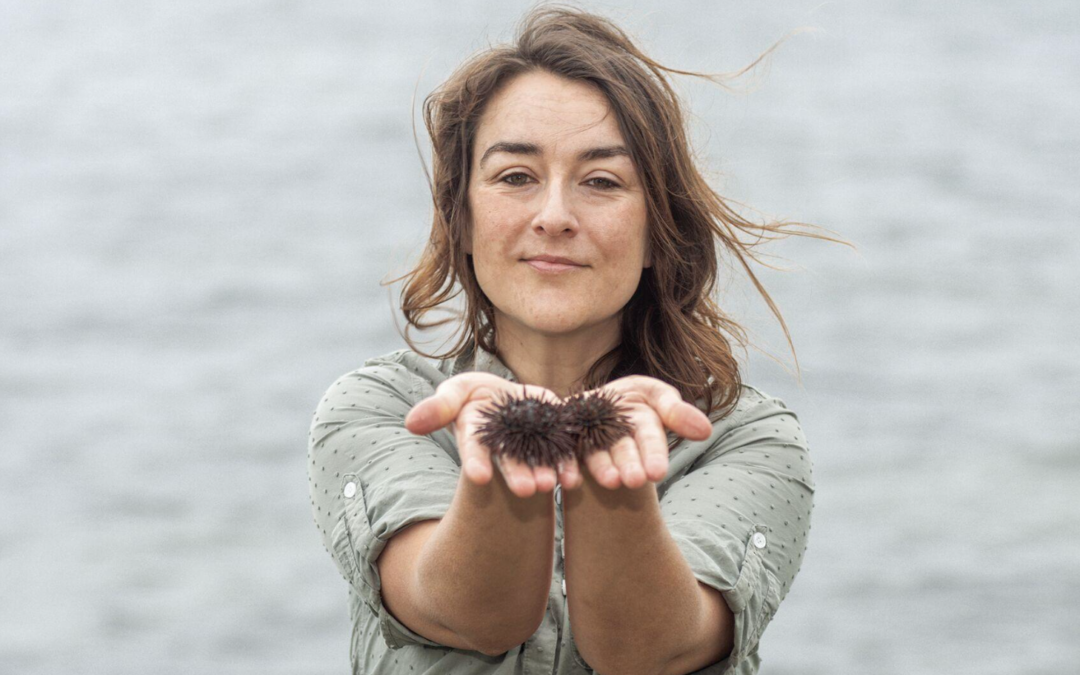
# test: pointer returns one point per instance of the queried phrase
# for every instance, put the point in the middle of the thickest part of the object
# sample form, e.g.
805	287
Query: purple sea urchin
595	420
526	428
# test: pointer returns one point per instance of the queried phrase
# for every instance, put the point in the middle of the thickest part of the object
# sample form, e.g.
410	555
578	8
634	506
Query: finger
627	458
603	469
681	417
545	478
475	458
443	407
518	475
653	445
570	473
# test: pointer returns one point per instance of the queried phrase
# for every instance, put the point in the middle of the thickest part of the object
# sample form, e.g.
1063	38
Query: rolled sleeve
369	477
741	518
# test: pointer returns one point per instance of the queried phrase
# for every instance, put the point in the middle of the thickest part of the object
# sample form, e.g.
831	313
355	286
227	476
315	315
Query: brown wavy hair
671	315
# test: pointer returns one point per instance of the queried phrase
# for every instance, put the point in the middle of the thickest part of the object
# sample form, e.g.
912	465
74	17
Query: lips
543	266
552	265
554	259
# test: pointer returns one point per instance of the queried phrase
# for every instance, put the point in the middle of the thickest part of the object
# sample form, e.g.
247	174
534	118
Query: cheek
625	242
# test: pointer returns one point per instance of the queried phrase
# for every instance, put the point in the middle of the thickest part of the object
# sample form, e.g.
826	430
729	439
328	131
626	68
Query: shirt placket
540	649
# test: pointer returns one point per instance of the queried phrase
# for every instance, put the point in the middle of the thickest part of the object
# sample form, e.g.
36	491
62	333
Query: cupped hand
653	407
459	401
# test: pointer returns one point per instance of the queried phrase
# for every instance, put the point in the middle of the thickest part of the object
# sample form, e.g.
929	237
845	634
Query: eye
516	179
603	183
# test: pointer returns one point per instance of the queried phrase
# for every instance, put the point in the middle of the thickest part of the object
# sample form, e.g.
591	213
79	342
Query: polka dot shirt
737	505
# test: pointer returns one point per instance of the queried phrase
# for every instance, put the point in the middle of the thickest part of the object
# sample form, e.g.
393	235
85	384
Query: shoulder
753	404
402	373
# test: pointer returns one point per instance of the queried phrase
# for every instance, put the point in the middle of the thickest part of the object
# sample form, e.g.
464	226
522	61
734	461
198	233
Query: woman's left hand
653	407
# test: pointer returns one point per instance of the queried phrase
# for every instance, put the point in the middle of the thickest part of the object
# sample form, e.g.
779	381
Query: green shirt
737	504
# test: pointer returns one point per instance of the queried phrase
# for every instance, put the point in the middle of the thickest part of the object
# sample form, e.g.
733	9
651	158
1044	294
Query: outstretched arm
634	603
484	571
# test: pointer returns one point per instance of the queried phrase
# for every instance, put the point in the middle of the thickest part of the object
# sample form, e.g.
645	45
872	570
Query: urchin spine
541	433
526	428
596	421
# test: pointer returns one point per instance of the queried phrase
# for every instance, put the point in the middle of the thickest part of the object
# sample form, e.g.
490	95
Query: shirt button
759	540
564	587
350	490
558	494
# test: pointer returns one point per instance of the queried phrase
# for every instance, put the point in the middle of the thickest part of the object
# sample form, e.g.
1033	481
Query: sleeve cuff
356	548
749	589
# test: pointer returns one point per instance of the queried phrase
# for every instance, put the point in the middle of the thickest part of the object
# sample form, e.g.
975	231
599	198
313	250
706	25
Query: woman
568	209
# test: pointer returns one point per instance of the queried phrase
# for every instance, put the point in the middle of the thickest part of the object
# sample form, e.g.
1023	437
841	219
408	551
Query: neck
557	362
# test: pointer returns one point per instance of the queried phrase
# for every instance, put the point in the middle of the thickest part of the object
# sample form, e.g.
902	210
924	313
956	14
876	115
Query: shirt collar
483	361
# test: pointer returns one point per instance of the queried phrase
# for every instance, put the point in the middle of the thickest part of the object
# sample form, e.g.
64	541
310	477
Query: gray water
198	201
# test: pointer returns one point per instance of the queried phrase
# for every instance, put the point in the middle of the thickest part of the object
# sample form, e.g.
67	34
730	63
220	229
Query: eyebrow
519	148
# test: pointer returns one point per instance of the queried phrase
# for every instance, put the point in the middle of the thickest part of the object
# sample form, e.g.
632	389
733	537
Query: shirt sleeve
369	477
741	517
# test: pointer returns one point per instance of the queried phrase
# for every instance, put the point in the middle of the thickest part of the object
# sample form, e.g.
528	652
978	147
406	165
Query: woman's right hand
460	400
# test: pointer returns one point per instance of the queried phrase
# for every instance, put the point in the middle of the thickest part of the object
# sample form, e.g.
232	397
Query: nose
556	214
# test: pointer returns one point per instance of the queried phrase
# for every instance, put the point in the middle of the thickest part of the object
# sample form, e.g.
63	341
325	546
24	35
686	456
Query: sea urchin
595	421
528	429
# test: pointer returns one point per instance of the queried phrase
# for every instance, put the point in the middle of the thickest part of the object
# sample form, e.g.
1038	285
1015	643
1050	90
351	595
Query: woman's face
552	175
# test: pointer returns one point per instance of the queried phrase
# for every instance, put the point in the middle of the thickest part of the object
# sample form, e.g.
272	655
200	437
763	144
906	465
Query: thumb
435	412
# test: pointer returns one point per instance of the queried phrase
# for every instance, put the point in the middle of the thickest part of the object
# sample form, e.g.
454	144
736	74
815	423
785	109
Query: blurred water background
198	201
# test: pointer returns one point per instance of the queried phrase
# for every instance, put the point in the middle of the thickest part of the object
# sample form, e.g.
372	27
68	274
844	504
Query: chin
553	326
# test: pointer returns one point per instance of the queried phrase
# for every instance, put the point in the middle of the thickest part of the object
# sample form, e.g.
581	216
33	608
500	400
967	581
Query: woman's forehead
550	112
